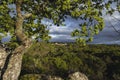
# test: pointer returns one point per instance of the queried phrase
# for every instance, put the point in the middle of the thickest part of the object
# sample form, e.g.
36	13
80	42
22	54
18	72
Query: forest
98	62
28	50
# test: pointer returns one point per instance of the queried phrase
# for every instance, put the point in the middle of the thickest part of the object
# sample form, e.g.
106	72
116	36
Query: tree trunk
13	67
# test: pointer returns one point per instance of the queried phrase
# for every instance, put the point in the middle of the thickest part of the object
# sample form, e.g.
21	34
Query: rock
30	77
52	78
3	56
39	77
77	76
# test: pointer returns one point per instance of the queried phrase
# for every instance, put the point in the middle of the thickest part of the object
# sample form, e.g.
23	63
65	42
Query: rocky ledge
73	76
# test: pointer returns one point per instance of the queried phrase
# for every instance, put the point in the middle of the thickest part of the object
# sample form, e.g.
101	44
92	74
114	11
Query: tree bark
14	66
15	61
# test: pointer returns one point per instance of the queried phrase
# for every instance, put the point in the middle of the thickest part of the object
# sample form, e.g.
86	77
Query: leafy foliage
88	11
98	62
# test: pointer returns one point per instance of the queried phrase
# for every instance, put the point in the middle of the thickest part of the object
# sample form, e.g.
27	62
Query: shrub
98	62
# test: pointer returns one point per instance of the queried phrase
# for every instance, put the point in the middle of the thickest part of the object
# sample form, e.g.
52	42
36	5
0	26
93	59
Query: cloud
62	33
61	38
108	35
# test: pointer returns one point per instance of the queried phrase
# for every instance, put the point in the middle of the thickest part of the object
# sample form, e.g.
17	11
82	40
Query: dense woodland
98	62
22	20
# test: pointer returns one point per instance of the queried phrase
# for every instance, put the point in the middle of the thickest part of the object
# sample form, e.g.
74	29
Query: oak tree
21	19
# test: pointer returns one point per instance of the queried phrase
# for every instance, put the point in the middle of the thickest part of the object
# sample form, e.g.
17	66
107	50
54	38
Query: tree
22	20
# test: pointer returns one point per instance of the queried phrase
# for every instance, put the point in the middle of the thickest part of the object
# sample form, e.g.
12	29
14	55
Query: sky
62	33
107	36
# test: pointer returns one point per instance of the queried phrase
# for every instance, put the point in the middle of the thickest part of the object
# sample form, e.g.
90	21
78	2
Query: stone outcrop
54	78
3	56
74	76
77	76
31	76
39	77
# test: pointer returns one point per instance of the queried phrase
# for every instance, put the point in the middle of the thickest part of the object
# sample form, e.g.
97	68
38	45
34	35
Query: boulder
39	77
30	77
52	78
3	56
77	76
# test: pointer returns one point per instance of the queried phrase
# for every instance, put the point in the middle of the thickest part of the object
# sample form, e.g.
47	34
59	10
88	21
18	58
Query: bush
98	62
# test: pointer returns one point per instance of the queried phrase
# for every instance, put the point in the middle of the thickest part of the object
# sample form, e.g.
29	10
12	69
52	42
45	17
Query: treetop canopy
89	11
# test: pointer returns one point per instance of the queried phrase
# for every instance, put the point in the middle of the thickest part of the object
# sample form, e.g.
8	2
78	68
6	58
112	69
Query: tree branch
27	15
18	8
